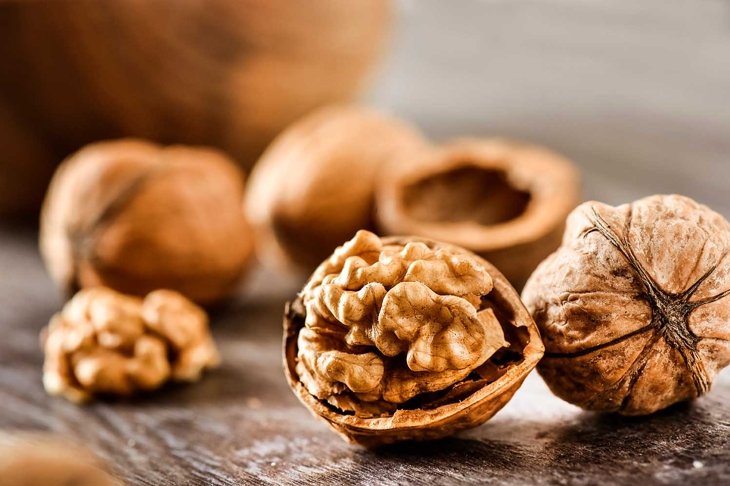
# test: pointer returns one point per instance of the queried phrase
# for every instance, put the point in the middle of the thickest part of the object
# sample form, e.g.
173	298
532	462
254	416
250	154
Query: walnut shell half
633	308
136	216
406	338
503	200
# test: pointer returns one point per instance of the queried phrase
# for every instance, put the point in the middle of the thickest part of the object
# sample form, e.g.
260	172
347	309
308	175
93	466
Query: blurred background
637	93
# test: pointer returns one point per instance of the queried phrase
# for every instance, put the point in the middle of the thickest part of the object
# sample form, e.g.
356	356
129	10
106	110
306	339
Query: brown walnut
314	186
633	307
230	74
34	459
503	200
406	338
135	216
104	342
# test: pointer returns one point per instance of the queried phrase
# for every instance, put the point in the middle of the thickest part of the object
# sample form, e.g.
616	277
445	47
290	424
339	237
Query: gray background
637	92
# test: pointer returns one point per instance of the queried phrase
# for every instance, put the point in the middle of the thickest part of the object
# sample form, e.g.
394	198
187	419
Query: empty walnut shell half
503	200
633	308
314	187
406	338
136	216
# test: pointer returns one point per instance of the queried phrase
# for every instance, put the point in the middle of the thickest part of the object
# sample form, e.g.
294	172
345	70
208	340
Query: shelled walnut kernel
104	342
406	339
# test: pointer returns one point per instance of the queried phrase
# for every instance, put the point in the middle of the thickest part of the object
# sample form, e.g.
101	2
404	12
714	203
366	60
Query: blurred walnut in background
504	200
104	342
229	74
314	186
34	459
135	216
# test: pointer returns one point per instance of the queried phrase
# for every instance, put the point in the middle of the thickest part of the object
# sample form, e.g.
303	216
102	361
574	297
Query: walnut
33	459
503	200
104	342
135	216
313	187
405	338
633	307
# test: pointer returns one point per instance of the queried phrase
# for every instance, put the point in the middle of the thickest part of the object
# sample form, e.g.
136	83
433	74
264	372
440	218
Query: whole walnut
404	338
633	308
136	216
314	186
107	343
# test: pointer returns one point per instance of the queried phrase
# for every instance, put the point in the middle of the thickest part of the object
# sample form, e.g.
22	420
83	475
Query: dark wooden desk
638	93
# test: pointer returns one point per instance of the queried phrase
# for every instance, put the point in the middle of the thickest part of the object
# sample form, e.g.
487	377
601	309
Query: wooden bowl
226	73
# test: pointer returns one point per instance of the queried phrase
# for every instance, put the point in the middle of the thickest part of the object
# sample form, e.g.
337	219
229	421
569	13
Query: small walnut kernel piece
385	328
104	342
634	306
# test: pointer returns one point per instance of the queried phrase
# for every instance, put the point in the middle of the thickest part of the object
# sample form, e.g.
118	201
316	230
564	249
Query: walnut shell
633	307
230	74
107	343
503	200
314	186
135	216
406	338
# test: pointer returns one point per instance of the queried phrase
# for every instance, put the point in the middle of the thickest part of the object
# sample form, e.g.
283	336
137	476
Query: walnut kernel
633	308
104	342
404	338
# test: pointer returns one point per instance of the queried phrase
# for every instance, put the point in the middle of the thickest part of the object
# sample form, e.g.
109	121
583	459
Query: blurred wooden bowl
226	73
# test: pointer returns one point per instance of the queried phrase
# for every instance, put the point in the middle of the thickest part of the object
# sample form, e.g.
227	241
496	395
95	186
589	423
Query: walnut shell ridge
406	338
136	216
633	308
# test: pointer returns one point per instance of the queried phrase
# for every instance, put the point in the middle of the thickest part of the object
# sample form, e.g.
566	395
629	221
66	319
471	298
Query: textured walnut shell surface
224	73
504	200
135	216
463	405
314	186
633	307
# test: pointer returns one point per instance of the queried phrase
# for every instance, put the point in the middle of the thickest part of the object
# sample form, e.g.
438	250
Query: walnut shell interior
380	394
503	200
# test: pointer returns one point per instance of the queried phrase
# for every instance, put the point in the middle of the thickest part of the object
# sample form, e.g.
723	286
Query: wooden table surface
637	93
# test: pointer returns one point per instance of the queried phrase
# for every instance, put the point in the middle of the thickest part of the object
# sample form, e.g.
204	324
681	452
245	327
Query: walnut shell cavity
633	308
503	200
314	186
406	338
107	343
136	216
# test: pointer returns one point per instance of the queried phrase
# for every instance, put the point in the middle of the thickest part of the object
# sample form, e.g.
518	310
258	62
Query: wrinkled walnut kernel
406	338
386	323
104	342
